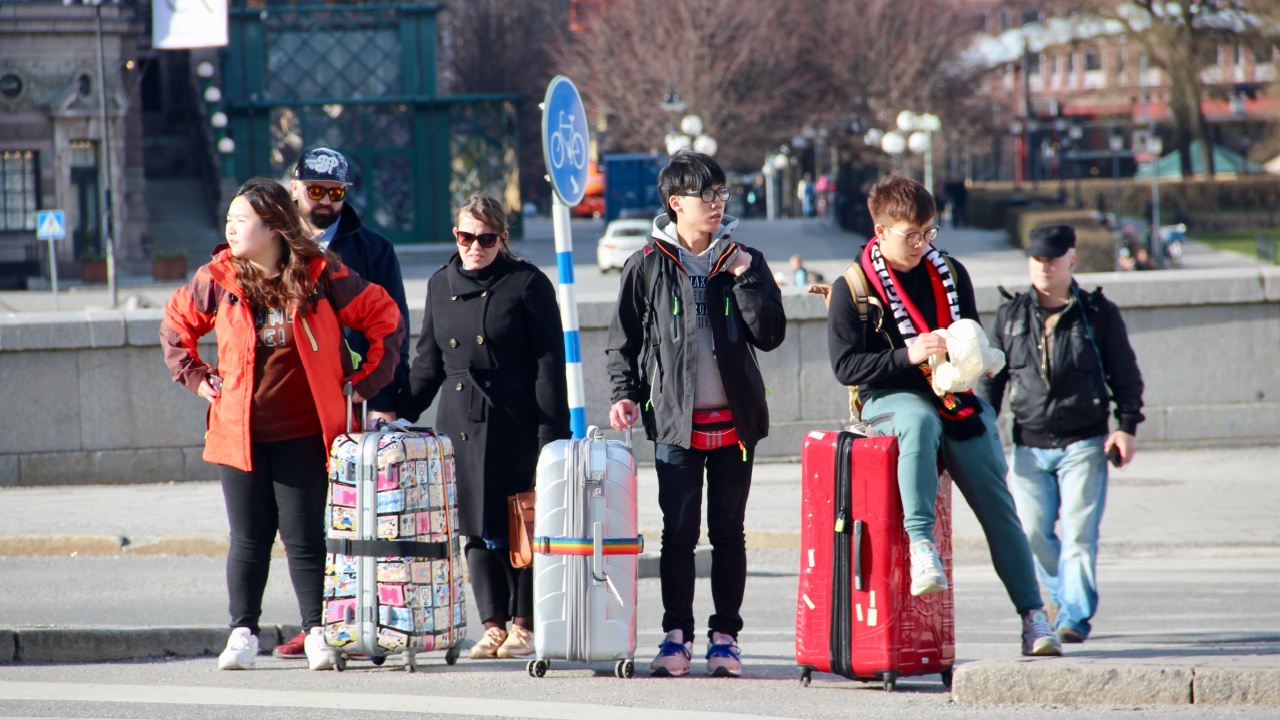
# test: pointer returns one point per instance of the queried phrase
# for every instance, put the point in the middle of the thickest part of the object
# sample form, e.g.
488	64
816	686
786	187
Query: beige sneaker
487	648
519	644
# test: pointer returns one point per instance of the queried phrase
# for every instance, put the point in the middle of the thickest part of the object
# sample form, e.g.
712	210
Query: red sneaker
295	649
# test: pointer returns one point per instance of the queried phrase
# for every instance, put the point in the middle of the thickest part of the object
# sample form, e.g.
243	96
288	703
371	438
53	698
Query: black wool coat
492	347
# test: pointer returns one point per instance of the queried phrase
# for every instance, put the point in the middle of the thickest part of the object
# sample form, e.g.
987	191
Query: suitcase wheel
340	663
890	681
538	668
451	655
378	660
624	669
946	678
806	675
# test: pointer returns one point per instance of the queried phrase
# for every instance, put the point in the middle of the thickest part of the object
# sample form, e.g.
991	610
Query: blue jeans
978	467
1067	484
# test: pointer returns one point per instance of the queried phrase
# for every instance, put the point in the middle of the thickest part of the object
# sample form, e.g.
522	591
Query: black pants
498	589
286	491
728	474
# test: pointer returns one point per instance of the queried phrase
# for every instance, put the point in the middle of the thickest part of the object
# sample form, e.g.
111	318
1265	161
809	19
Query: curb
78	645
1091	683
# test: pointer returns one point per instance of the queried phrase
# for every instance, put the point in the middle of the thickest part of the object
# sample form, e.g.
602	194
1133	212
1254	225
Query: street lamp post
1116	142
1016	129
1155	147
1074	134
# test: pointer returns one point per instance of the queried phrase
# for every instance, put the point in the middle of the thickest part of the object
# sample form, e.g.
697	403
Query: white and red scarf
960	410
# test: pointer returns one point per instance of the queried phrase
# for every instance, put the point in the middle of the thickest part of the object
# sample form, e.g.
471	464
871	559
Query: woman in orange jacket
276	301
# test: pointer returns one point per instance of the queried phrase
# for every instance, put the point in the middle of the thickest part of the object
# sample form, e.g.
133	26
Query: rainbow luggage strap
545	545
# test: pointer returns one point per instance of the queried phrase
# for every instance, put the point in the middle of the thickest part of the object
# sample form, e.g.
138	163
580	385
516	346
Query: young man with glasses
693	308
921	291
319	189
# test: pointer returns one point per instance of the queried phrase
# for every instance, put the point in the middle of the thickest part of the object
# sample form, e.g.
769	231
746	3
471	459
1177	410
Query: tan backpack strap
857	280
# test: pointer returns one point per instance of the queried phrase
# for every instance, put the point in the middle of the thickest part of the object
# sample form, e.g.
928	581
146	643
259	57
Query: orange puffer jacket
214	301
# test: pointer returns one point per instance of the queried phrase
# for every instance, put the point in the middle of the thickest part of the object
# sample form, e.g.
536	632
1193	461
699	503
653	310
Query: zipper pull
842	522
675	305
726	306
744	450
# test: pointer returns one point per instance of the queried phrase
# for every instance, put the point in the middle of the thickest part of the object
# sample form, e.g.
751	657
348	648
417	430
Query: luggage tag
336	611
344	586
390	501
388	527
338	635
342	495
396	617
408	525
420	572
392	640
343	522
414	446
393	572
388	478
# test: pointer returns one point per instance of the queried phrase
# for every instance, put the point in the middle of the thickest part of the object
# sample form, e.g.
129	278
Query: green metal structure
361	78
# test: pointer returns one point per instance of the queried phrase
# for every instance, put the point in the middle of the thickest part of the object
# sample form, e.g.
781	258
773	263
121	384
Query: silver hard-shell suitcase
586	550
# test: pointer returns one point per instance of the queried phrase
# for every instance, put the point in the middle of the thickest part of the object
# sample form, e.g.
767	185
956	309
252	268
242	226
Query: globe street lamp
921	127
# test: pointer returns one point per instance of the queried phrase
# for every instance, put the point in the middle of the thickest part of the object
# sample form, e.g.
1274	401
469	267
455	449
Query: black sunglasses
336	194
486	240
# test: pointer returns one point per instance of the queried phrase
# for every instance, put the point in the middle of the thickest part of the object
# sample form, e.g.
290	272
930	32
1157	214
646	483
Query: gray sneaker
1038	638
674	656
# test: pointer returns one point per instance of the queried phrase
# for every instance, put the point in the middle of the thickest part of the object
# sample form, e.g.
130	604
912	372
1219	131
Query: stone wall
89	400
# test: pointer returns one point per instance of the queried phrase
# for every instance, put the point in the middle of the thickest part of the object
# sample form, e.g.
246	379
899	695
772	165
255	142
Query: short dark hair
898	198
688	171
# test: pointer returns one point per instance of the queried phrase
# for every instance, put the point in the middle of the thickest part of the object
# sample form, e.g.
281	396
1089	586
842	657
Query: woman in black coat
493	347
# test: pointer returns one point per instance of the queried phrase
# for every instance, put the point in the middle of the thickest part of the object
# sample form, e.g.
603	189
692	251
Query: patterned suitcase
855	615
393	580
585	560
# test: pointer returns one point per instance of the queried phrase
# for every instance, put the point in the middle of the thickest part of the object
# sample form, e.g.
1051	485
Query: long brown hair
293	287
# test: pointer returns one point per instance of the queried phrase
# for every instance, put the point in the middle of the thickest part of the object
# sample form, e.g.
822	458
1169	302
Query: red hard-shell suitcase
855	615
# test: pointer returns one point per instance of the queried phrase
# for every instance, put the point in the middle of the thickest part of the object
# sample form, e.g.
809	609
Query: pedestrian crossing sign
51	225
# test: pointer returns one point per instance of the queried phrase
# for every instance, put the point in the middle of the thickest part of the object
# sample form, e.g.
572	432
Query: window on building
1237	53
981	22
1033	64
1031	16
1071	61
1004	20
19	197
1092	60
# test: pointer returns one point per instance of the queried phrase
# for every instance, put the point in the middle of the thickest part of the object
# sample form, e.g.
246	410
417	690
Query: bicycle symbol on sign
567	140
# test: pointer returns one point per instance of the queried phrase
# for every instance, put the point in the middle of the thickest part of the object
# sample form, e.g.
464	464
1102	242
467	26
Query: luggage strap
388	548
544	545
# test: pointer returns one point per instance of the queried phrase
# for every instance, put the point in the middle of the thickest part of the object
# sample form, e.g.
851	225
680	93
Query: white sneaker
927	575
674	655
319	656
241	652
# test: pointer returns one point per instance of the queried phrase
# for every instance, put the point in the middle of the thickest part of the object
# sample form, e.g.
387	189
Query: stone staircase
180	220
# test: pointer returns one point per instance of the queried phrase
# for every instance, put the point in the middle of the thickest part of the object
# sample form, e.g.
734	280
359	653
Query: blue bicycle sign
564	140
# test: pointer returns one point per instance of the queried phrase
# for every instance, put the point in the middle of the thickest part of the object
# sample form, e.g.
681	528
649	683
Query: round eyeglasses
917	239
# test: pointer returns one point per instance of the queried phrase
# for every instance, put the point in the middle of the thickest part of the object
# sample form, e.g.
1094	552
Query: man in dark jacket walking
319	186
1068	357
693	308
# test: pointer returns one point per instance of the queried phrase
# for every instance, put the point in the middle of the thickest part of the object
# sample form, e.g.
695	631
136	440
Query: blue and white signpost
51	225
564	148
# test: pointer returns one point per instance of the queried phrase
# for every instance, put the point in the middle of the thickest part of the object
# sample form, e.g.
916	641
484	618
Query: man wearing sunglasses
319	188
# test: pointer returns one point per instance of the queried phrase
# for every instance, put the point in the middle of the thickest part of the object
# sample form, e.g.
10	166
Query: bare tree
757	71
1182	39
746	67
500	46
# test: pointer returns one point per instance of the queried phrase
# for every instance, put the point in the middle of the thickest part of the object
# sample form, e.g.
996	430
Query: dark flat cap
1051	241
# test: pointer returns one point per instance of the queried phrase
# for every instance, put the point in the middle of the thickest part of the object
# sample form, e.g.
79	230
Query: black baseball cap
1051	241
321	164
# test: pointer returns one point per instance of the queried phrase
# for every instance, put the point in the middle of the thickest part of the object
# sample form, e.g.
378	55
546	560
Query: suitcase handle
597	552
859	580
349	390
